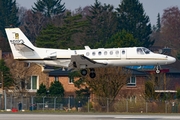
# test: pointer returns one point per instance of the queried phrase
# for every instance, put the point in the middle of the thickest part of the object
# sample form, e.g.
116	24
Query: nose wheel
157	69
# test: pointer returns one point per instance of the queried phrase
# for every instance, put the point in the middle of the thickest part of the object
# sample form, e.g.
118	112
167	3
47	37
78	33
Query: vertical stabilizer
20	45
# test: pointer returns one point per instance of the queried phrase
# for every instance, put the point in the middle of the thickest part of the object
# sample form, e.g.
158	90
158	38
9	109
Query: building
135	87
27	76
62	75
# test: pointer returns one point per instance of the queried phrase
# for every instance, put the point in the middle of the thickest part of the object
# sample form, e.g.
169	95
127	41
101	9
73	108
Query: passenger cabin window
117	52
111	52
123	51
99	53
93	53
87	53
139	51
105	52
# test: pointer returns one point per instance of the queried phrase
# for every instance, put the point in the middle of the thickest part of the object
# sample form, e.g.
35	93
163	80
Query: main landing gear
92	73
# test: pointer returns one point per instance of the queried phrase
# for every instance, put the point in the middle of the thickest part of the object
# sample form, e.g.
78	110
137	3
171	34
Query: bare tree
171	27
108	83
32	24
19	73
155	82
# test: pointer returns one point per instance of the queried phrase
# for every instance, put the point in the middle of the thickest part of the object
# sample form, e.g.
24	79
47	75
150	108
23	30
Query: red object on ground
14	110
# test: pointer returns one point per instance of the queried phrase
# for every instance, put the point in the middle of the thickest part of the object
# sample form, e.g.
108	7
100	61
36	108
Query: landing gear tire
92	75
84	72
157	71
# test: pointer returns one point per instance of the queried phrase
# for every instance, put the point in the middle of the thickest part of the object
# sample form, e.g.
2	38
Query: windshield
143	51
146	51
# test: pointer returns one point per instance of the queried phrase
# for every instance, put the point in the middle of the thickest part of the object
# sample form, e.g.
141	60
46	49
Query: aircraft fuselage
111	57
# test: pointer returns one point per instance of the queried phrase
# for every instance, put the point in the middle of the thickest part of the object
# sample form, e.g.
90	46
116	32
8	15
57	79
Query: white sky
151	7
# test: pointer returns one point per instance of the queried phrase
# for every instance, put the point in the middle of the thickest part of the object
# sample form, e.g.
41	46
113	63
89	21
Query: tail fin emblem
16	35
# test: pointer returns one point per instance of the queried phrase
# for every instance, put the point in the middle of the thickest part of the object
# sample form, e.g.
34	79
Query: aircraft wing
82	62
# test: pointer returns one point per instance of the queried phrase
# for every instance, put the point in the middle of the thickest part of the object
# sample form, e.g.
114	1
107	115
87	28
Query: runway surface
86	117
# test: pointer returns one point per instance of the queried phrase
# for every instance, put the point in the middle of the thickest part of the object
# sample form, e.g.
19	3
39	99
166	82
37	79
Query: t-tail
20	45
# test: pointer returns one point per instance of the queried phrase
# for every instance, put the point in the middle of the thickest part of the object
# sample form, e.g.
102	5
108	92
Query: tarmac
22	116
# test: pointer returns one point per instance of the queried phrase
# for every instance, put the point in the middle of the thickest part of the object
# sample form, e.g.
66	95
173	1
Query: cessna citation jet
85	59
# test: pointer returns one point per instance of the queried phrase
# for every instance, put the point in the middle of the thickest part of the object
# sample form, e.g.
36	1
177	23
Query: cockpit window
146	51
143	51
140	51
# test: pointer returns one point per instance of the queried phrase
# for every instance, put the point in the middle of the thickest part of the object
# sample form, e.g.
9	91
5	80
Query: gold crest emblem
16	35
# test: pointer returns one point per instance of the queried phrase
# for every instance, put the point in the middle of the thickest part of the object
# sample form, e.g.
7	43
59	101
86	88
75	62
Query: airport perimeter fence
44	103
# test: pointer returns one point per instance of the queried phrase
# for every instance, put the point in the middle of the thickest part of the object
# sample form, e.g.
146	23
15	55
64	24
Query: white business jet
87	58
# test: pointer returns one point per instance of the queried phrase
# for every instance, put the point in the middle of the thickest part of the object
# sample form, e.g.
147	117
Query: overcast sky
151	7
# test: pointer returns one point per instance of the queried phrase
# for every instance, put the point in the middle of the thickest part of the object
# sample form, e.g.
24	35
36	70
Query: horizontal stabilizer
23	47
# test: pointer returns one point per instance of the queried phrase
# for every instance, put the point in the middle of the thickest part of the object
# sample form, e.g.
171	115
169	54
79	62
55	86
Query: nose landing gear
157	69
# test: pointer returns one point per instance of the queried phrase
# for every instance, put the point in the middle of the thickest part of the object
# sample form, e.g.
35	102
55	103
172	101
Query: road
87	117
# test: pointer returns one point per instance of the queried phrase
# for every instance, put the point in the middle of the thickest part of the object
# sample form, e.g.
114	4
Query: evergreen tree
8	14
83	89
5	75
42	90
156	34
74	25
56	89
121	39
62	37
102	24
48	37
131	17
8	17
158	22
49	7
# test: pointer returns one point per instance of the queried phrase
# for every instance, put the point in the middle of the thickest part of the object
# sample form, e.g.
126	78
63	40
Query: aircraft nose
171	59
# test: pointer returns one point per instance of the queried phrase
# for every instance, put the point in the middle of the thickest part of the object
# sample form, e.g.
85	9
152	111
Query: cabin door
123	53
